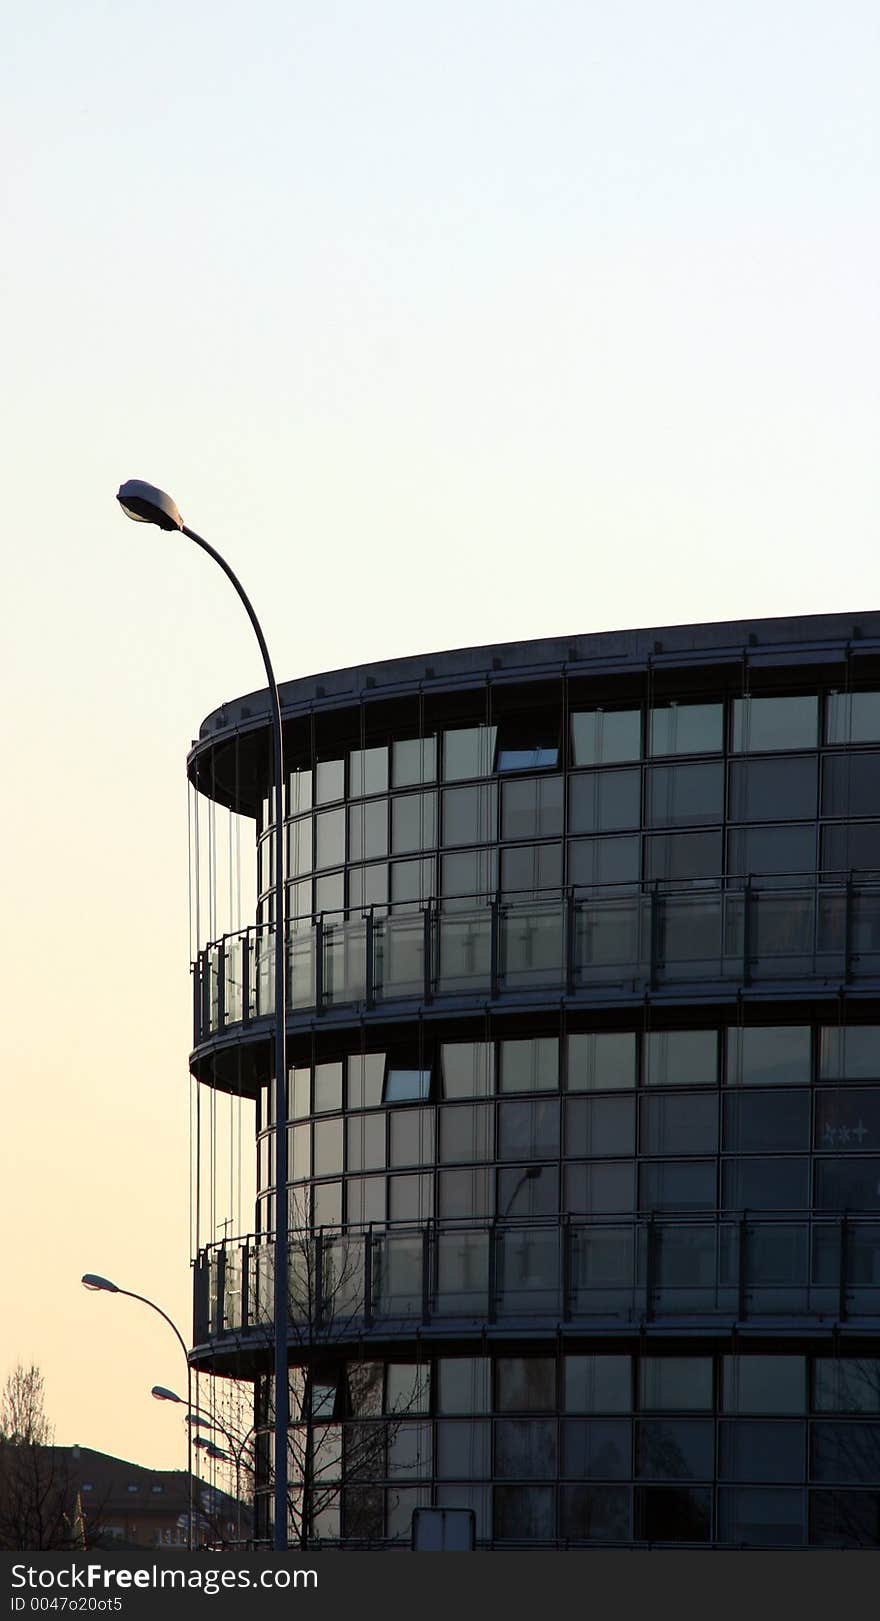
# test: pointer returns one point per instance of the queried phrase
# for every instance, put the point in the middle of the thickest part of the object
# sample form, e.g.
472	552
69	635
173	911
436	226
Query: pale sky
447	323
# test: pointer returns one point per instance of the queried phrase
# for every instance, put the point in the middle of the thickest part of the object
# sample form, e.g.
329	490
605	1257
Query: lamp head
162	1393
147	504
91	1280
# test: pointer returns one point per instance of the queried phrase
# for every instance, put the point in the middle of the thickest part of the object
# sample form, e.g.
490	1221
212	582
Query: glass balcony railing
738	931
626	1269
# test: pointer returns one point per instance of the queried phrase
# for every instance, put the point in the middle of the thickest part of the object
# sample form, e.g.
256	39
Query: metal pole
281	1213
182	1343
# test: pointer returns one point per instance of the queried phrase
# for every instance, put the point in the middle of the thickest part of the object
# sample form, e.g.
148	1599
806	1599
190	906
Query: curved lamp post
93	1281
146	504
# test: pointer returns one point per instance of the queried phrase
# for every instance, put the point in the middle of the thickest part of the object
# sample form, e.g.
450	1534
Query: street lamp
94	1281
147	504
234	1440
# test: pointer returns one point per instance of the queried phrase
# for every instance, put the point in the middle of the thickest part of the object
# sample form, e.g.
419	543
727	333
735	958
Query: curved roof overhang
230	760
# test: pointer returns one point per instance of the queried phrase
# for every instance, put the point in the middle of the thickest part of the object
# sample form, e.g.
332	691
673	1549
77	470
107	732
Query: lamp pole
93	1281
147	504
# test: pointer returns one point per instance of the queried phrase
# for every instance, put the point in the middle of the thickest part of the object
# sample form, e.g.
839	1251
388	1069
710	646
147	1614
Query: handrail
830	879
716	1216
348	1281
584	938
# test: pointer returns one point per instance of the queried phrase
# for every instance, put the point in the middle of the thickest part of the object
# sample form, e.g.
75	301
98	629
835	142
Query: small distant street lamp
236	1443
93	1281
147	504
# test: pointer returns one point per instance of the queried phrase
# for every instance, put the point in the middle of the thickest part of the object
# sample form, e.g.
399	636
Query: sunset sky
447	324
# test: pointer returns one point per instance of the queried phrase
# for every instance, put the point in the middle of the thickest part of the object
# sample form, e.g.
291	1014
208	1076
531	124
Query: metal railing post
369	964
319	964
246	978
221	984
742	1270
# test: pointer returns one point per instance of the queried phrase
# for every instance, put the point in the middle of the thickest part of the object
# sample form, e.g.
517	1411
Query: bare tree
38	1504
339	1435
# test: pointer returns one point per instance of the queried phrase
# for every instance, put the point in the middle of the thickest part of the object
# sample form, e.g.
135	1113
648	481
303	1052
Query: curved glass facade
583	1103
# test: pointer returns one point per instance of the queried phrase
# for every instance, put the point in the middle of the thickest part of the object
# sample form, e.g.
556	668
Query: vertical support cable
280	1064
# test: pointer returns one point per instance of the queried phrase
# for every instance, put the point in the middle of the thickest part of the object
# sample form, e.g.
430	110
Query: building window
600	1127
365	1146
413	760
764	725
772	1055
531	1065
681	1185
413	822
595	1513
851	784
328	1087
466	1194
763	1384
600	1188
766	1122
532	808
681	1058
675	1383
299	847
367	772
682	857
469	815
598	1384
527	745
597	862
413	882
851	847
468	1069
601	1061
465	1133
678	1123
678	795
767	1183
468	880
529	871
412	1137
299	791
468	752
329	781
773	790
525	1384
404	1084
366	1075
368	886
852	717
606	736
687	729
600	801
846	1384
367	830
330	838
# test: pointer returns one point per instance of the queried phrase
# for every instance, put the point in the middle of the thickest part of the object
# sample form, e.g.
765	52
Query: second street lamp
147	504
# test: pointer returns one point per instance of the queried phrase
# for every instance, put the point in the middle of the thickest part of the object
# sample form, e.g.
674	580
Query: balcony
733	934
802	1271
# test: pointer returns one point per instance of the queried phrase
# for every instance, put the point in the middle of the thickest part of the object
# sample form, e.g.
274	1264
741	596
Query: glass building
583	955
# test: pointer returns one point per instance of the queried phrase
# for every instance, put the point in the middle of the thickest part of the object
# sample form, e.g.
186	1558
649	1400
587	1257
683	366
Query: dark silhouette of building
74	1497
584	1088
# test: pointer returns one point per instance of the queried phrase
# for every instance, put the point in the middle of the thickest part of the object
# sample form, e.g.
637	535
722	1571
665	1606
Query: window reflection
605	736
764	724
687	729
